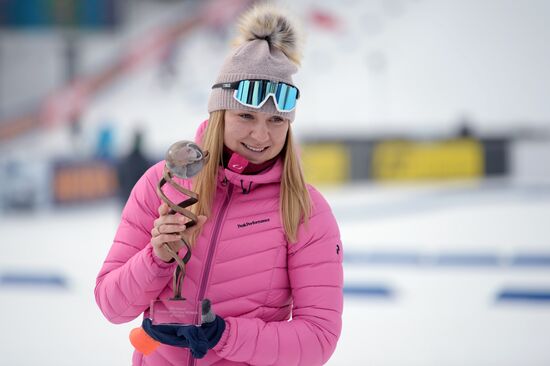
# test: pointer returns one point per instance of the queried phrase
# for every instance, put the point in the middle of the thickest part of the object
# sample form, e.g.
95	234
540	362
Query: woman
266	250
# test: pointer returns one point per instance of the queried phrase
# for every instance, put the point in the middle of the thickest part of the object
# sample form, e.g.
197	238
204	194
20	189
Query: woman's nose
260	132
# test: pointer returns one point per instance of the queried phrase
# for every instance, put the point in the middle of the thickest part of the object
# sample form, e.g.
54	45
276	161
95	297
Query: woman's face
257	136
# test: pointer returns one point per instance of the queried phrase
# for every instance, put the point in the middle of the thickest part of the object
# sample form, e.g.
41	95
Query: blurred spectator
168	70
131	168
18	191
465	129
104	148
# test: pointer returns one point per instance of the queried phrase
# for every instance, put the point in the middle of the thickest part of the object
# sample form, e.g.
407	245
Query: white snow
438	315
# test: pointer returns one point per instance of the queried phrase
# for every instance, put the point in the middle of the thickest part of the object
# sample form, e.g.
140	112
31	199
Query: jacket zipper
211	249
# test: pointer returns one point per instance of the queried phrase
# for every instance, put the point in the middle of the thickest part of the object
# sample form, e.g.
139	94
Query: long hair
295	202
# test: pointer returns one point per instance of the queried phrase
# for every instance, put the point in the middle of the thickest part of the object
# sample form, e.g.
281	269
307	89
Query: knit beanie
268	48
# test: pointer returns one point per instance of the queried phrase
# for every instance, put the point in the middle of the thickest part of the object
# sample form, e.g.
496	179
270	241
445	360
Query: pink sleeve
132	275
316	277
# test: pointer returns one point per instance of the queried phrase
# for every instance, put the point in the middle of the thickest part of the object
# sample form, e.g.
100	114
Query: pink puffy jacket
282	302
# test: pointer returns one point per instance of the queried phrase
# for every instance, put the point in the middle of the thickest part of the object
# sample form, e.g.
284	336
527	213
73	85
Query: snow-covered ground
424	267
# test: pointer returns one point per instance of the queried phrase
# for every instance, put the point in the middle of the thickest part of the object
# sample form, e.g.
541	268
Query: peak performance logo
250	223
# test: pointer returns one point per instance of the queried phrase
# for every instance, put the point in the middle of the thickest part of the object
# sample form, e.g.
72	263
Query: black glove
199	339
212	326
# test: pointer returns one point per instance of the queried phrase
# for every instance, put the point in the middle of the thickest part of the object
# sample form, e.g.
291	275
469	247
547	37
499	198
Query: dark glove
199	339
212	326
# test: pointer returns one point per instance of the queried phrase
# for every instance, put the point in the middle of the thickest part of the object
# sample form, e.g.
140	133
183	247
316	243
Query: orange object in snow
142	342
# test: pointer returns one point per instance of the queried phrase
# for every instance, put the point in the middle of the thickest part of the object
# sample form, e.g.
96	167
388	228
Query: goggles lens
254	93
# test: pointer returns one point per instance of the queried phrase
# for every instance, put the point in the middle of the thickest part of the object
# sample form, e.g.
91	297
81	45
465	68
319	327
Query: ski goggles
254	93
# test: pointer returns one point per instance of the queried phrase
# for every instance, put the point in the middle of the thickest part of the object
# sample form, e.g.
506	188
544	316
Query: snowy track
425	271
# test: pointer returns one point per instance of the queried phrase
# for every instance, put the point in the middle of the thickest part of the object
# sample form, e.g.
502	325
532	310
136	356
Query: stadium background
425	123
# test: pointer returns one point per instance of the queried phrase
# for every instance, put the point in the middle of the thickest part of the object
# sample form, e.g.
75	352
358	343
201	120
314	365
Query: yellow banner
407	160
325	163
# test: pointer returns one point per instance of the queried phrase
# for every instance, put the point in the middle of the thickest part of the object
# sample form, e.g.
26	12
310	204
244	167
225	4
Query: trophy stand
184	159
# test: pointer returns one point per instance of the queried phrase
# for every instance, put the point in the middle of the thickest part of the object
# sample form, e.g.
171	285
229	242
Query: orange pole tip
142	342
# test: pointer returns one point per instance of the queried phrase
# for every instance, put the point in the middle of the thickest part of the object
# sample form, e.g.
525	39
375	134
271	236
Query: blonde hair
295	202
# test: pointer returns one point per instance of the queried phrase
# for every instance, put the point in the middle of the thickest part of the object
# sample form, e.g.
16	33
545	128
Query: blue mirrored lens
286	97
244	97
239	93
254	93
290	102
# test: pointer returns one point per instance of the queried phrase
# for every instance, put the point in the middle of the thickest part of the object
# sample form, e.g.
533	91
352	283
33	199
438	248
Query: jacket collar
247	182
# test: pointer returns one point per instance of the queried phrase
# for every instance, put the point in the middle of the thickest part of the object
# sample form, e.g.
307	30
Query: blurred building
401	75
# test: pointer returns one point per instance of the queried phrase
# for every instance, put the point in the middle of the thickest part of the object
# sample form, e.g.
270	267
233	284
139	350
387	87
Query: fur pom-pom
266	21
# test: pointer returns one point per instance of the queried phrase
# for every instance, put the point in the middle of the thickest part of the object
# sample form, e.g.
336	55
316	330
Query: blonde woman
266	250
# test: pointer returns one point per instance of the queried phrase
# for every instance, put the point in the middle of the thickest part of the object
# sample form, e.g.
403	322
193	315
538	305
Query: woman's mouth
257	149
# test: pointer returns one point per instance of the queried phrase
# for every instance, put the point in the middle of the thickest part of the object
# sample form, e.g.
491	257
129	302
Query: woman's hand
169	229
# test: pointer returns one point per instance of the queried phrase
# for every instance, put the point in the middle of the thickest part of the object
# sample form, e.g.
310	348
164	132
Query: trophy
184	159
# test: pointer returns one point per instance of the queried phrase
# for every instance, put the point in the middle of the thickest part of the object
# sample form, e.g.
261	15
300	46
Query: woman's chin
254	158
256	161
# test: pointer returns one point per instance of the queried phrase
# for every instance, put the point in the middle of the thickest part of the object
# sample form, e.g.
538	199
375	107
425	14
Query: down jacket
282	302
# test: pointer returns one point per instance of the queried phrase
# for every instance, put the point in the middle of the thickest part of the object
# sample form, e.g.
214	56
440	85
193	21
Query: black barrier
361	159
496	153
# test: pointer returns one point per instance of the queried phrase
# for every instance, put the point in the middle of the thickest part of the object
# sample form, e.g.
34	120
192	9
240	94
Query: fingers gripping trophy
184	159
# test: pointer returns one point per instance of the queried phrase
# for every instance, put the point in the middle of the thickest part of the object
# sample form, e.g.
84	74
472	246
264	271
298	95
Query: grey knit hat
267	48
